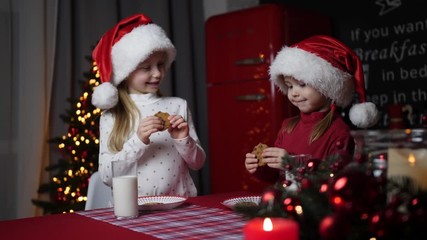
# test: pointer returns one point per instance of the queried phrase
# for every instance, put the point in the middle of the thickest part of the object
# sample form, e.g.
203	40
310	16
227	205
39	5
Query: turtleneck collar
145	98
312	117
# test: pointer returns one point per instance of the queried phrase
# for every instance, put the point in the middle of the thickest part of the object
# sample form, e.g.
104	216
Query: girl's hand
273	156
251	163
148	126
178	127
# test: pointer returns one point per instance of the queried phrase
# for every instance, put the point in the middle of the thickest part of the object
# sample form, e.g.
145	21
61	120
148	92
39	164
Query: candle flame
411	159
268	225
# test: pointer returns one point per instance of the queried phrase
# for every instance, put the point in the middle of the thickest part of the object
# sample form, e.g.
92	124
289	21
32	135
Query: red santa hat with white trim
330	67
121	49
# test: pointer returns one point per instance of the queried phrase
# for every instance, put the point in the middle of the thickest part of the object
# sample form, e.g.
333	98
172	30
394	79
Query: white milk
125	196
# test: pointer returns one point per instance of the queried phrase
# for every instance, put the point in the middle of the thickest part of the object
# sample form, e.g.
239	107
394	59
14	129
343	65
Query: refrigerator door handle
250	61
251	97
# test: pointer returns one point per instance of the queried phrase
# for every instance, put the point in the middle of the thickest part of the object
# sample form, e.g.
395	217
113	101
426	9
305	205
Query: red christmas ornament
84	104
353	192
386	223
417	210
334	227
288	167
306	183
84	154
59	196
269	197
73	131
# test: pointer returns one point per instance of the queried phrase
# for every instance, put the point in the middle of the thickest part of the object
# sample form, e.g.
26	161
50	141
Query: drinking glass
298	161
125	189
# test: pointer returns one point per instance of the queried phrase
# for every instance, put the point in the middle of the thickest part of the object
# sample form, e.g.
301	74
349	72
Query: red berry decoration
287	183
289	205
312	164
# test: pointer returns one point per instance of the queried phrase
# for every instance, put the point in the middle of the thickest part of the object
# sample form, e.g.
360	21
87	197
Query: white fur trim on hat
364	115
135	47
315	72
105	96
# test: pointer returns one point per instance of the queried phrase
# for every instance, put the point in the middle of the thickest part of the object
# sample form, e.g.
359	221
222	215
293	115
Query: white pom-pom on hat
105	96
363	115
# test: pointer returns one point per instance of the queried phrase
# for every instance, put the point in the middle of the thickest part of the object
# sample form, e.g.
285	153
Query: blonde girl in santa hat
318	75
133	58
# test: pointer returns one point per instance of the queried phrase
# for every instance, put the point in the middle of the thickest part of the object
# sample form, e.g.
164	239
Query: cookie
164	116
258	153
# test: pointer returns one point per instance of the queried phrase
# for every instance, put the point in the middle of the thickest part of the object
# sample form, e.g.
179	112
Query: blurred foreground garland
336	200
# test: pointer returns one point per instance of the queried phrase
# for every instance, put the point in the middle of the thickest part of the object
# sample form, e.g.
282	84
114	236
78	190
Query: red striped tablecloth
185	222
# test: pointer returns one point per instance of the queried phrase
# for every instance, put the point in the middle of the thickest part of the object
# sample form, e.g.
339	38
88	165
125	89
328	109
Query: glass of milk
125	189
297	161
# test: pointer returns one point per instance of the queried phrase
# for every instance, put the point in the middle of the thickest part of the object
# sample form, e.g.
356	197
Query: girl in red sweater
317	74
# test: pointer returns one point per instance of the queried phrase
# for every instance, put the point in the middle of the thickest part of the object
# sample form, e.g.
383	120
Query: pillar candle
271	229
408	162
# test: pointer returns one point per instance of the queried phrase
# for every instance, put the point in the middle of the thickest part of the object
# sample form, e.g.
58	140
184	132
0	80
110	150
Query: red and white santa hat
330	67
121	49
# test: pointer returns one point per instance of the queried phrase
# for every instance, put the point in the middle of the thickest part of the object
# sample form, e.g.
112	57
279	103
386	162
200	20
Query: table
82	225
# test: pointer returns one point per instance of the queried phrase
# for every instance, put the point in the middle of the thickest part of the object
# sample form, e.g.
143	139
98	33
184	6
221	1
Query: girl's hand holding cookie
148	126
251	162
178	127
263	155
273	156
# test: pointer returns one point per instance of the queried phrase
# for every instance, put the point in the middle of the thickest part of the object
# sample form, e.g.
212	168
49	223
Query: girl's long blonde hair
318	130
125	115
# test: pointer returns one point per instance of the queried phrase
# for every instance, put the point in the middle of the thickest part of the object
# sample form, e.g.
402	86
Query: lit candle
408	162
271	229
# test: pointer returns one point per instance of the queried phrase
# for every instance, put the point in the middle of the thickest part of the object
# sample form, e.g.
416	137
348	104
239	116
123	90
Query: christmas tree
79	148
341	198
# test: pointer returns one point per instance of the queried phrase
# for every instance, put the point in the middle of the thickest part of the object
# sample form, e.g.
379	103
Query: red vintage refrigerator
244	107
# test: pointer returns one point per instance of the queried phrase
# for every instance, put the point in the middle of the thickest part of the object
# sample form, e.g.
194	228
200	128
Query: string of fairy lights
82	135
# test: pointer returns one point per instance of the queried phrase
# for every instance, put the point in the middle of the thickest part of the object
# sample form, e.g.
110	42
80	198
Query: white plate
159	202
233	201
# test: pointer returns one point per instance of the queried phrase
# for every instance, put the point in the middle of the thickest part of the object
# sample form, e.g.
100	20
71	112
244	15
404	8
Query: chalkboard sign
392	44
